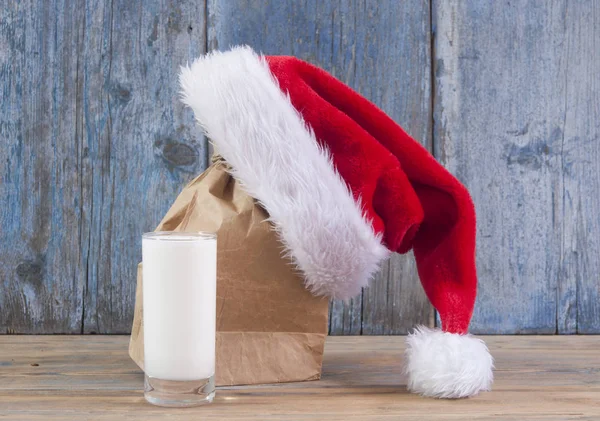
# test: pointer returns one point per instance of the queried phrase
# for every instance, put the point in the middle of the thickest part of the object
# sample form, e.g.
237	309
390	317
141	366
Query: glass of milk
179	288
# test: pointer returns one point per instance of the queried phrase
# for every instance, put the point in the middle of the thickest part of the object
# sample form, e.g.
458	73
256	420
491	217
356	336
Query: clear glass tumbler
179	289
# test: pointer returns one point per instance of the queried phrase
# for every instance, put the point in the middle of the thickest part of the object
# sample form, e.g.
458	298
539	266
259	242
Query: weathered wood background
95	144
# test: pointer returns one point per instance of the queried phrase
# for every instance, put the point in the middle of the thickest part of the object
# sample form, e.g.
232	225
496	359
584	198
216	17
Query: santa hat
344	186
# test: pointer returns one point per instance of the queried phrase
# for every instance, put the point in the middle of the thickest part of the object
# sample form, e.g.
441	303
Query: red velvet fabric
409	197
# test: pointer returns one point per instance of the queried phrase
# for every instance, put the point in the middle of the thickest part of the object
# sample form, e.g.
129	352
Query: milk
179	288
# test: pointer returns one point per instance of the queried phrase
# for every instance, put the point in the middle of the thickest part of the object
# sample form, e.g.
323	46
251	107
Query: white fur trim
254	126
447	365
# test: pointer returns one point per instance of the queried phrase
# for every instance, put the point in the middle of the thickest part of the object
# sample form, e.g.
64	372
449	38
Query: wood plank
92	378
581	164
146	147
98	145
126	145
516	96
381	49
42	248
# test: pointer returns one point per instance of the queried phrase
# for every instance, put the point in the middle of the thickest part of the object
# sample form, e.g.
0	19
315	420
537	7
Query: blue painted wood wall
95	144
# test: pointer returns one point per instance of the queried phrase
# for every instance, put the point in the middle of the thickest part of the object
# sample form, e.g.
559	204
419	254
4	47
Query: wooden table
92	378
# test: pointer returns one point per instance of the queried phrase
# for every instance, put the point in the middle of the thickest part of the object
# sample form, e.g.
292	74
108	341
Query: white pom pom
447	365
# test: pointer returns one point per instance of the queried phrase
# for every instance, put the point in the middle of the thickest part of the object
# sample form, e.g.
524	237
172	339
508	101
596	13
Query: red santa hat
345	186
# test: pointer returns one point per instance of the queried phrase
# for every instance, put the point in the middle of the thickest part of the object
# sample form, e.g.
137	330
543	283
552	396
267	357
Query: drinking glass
179	317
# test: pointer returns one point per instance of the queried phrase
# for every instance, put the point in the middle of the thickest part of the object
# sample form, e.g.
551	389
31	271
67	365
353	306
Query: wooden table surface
92	378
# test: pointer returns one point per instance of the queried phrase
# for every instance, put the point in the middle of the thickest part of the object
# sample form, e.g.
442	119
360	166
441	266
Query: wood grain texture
97	146
381	49
92	378
148	146
581	165
42	264
516	119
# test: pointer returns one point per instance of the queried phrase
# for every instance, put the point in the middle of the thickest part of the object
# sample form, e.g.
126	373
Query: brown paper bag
270	329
